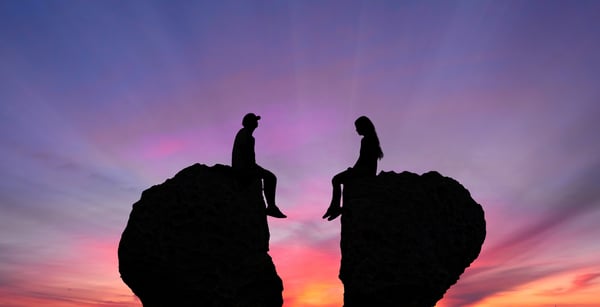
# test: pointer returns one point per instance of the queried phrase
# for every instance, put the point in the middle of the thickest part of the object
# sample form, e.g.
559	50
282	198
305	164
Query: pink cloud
579	282
584	280
161	147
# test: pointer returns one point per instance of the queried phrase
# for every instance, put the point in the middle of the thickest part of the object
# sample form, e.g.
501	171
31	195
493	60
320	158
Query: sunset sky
99	100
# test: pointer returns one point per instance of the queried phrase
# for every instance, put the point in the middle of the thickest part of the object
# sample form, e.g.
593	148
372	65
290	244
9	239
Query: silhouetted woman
365	166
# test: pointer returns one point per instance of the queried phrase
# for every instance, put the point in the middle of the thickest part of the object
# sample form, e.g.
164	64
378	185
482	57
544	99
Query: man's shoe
275	212
332	212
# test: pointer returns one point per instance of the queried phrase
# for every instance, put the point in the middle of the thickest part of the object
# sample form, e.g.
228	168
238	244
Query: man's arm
243	150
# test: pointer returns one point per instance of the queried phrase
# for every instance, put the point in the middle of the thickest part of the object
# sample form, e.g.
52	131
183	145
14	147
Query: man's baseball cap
249	118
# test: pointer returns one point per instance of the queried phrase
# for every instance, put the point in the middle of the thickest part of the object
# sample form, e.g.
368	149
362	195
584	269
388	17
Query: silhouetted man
243	160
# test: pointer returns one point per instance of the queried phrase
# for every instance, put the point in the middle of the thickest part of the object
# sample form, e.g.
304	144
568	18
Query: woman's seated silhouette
365	166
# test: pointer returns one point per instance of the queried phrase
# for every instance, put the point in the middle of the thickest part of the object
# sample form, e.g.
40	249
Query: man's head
250	121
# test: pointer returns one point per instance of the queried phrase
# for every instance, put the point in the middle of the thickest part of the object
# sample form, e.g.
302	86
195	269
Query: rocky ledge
406	239
200	239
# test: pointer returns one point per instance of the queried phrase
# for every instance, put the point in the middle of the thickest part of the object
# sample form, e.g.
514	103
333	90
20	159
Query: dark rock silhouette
406	238
200	239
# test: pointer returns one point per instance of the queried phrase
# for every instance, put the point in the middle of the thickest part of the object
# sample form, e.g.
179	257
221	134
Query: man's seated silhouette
243	161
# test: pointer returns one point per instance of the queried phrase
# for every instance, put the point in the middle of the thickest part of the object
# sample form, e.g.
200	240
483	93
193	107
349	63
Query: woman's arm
367	159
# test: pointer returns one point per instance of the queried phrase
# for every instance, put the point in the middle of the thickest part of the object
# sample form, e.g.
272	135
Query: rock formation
200	239
406	238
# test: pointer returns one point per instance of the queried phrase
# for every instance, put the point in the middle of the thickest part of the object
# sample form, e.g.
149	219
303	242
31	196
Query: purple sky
99	100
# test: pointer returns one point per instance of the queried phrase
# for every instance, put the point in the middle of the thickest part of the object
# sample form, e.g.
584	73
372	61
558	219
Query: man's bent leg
269	186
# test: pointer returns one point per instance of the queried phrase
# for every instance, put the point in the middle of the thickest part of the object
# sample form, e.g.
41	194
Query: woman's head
364	126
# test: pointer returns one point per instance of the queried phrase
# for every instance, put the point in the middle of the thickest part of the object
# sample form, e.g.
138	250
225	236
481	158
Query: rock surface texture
200	239
406	238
